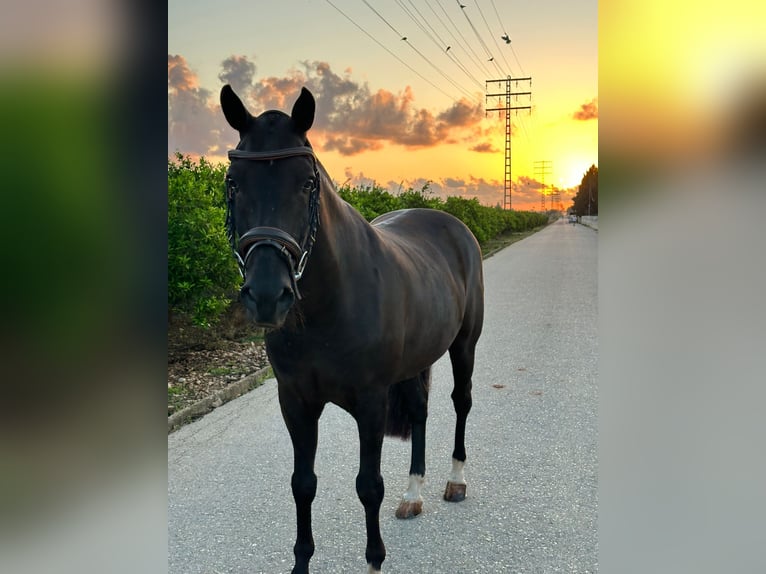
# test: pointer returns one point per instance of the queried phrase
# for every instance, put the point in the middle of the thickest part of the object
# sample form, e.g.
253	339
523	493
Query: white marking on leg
371	570
414	488
457	476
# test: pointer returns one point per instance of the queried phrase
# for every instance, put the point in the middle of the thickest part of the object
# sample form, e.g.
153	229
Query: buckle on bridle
301	265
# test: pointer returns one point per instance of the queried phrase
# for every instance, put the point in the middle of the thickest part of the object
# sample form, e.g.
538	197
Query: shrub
202	274
420	198
370	201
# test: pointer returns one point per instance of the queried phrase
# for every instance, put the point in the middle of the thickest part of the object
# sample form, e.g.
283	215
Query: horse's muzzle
268	309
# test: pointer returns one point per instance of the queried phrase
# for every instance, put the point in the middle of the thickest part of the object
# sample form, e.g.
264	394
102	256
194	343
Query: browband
271	155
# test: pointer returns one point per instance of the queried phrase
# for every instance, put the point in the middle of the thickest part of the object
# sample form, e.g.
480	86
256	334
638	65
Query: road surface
531	440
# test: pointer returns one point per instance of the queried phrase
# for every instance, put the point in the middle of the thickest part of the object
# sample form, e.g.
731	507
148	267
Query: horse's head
273	202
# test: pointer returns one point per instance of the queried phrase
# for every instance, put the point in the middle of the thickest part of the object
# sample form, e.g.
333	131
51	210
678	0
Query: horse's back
433	234
440	251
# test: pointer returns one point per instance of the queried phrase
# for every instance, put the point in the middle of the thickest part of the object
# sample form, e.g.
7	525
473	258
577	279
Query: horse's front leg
302	423
370	417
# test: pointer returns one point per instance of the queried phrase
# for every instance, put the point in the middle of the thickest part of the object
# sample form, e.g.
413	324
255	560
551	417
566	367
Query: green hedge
484	222
202	274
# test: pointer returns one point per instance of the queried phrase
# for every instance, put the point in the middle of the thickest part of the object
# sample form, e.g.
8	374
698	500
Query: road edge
218	398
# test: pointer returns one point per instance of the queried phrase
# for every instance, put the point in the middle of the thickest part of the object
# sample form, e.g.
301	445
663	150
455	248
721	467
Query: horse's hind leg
370	415
462	356
414	395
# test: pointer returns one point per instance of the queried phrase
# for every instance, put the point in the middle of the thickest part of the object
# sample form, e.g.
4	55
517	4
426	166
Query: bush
484	222
420	198
202	274
370	201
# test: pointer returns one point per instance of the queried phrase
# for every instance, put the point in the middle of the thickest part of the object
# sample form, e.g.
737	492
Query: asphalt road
531	440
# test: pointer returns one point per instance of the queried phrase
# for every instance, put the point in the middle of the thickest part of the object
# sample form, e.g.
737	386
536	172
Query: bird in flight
461	5
506	38
448	47
492	59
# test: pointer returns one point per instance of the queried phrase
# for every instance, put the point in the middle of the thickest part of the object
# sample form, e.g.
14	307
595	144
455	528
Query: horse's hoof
454	492
409	509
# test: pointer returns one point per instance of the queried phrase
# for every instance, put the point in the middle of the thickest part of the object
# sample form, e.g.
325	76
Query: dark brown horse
356	313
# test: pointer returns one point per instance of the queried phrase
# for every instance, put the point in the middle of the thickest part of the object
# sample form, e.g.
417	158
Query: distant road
531	504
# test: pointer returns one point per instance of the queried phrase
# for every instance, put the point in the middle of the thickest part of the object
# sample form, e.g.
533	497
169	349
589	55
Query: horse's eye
309	185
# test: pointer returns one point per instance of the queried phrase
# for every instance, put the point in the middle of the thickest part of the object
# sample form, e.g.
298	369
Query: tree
585	202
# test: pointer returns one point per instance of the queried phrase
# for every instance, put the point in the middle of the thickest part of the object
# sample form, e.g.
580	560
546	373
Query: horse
355	313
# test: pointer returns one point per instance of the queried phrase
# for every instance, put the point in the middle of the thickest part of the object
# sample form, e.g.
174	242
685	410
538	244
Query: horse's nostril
286	295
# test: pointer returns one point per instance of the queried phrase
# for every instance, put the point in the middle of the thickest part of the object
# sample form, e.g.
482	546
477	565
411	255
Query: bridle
296	254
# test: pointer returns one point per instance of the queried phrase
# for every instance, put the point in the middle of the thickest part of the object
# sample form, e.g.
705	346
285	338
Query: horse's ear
303	111
234	109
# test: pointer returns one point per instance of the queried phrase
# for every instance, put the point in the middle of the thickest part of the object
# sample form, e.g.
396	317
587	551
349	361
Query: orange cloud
587	111
194	125
180	77
350	117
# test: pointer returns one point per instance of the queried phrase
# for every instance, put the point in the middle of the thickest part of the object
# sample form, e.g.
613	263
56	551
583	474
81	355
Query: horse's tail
407	399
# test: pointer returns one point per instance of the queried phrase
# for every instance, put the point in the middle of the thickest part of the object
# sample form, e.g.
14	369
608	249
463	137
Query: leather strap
271	155
257	234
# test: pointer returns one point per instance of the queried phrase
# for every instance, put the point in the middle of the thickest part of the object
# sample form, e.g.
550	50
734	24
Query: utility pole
542	168
507	109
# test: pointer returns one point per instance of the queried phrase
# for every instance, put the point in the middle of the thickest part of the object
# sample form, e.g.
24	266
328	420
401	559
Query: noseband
296	254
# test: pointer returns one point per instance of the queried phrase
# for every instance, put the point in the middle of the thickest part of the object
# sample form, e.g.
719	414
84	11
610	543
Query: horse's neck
332	252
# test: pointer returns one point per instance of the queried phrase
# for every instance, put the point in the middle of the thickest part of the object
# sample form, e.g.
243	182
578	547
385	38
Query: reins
296	254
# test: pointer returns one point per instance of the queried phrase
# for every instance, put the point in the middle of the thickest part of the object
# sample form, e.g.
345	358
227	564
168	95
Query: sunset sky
397	111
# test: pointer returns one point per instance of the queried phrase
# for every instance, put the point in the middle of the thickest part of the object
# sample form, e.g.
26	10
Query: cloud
349	146
194	125
462	114
180	77
588	111
238	72
451	182
484	147
351	118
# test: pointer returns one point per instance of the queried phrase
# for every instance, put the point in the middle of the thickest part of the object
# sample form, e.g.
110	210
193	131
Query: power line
438	41
413	70
384	20
508	41
443	45
436	35
435	67
478	37
456	42
517	60
499	51
476	59
418	52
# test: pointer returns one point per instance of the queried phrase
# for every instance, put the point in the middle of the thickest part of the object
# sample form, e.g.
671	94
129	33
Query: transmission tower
556	199
507	109
542	168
